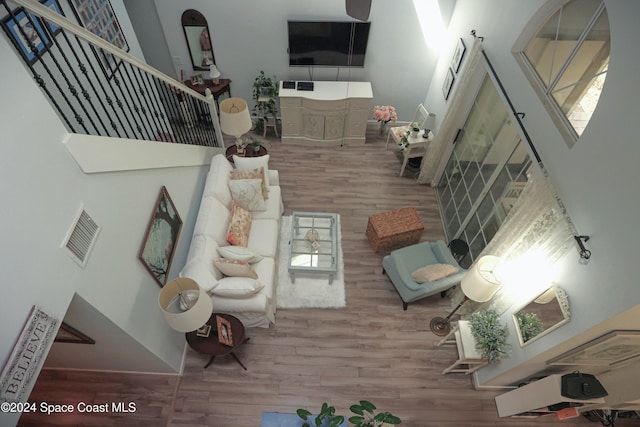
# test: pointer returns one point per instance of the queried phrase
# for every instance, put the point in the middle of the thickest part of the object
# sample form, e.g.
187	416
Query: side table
212	346
223	86
248	152
469	359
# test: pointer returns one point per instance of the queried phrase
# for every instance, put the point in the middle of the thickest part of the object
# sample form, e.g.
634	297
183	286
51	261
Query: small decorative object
224	331
204	331
312	237
255	144
69	334
196	80
384	114
26	31
161	238
415	130
490	334
458	55
448	84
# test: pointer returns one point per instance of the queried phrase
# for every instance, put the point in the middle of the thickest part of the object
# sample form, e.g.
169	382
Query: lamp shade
214	73
185	306
480	283
430	121
234	117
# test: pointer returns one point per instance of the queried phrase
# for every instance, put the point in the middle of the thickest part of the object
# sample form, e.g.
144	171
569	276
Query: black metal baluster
137	102
151	97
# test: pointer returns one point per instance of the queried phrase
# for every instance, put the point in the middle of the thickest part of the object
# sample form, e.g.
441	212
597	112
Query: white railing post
213	109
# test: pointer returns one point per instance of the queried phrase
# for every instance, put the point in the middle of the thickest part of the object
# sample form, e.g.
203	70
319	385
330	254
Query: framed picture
69	334
458	55
197	80
611	349
204	331
98	17
224	331
26	30
161	238
448	84
53	5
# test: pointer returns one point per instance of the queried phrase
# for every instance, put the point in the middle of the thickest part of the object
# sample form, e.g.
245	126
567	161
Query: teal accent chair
399	265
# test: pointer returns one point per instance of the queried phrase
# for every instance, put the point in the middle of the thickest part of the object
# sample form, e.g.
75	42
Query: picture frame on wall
161	238
448	84
458	55
25	29
54	6
614	348
69	334
98	17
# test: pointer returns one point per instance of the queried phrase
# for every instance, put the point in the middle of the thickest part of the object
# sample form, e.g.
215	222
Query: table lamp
480	284
429	124
235	119
214	74
185	306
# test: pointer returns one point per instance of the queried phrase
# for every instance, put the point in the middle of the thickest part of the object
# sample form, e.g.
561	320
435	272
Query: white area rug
309	291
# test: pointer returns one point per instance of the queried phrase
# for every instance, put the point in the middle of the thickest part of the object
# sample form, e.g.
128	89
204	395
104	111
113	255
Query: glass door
485	173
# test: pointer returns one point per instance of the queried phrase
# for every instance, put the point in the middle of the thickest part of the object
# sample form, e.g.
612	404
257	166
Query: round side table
248	152
212	346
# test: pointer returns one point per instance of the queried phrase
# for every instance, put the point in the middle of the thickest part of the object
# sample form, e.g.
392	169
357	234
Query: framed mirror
196	33
545	313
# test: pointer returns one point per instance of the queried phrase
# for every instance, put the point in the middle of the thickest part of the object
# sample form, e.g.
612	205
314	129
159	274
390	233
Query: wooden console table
332	113
224	86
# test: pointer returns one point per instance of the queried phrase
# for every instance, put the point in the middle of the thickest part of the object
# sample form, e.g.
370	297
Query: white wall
597	178
250	35
42	188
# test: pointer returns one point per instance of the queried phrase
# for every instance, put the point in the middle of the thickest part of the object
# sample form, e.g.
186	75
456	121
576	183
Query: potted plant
255	144
265	92
490	334
364	416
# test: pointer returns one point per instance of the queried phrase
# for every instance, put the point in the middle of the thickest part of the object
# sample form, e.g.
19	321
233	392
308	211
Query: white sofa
230	295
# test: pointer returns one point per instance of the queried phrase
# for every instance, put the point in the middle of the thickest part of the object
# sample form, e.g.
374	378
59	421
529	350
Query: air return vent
81	237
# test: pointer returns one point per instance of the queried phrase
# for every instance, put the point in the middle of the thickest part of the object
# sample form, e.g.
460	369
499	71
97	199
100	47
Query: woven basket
394	229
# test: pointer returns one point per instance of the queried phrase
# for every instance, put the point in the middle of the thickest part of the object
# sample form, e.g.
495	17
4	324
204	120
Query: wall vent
81	237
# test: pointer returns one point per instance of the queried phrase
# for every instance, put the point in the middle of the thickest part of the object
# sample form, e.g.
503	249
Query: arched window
566	60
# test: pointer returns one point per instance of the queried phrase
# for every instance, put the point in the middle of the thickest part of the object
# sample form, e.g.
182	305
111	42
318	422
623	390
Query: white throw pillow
248	194
430	273
239	253
244	163
237	287
233	268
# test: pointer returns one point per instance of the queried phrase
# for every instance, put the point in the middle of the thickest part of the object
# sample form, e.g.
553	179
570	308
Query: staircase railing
99	89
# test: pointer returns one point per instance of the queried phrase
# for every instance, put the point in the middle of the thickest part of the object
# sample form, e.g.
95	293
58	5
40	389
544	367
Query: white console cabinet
332	113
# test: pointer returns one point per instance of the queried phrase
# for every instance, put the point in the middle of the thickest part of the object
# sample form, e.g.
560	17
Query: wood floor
370	350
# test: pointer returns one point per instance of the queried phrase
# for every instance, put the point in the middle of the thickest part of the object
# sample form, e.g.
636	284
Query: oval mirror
196	33
545	313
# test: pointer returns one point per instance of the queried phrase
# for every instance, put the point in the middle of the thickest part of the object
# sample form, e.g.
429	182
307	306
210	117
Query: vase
383	128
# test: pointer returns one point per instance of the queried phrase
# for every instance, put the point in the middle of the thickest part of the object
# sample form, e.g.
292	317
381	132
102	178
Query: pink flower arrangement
385	113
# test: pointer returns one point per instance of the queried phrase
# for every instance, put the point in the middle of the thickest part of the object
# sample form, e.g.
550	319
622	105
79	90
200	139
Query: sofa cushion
234	268
217	221
264	237
199	266
430	273
197	270
251	174
273	206
239	253
216	184
244	163
237	287
248	194
239	225
266	271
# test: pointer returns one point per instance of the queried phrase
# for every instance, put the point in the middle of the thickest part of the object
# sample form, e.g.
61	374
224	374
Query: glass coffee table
314	246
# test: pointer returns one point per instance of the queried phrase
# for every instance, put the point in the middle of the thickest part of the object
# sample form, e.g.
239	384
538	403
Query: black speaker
358	9
577	385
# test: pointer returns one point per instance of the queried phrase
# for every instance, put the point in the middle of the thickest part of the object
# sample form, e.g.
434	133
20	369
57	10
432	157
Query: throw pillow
237	287
239	253
432	272
252	174
239	226
233	268
248	193
243	163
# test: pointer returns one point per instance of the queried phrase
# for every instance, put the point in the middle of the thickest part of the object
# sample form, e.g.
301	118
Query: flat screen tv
327	43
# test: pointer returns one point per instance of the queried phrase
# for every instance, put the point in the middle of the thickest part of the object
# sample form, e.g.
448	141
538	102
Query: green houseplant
490	334
326	417
265	92
364	416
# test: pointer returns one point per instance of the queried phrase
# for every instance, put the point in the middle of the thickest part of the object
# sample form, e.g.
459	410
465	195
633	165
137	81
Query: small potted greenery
364	416
255	144
265	92
326	417
490	334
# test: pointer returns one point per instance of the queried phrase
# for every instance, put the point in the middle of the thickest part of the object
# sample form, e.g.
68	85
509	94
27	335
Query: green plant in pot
366	417
265	92
490	334
326	417
255	145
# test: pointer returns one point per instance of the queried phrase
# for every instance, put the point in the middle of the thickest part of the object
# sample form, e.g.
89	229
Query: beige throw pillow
234	268
248	194
430	273
237	287
252	174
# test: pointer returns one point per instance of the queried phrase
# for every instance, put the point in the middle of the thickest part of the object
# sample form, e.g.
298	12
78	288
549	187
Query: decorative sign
26	356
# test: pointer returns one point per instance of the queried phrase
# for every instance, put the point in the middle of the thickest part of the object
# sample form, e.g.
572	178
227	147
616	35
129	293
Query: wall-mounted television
327	43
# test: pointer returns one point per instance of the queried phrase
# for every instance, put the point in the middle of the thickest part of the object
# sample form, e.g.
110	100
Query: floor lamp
184	305
479	284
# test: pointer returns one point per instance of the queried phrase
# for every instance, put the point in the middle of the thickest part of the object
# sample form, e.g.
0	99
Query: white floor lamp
479	284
